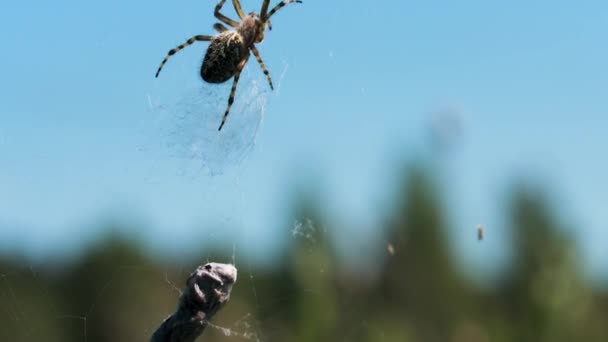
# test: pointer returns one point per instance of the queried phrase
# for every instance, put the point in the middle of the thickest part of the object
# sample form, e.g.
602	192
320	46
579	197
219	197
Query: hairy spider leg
256	53
238	9
279	6
237	75
264	11
220	28
222	17
197	38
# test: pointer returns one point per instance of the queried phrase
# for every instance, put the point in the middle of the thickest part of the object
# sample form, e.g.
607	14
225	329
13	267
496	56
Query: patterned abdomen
223	56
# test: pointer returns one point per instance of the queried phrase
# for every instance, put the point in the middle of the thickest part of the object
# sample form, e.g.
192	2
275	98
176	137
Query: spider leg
222	17
220	28
279	6
238	9
237	75
264	11
198	38
256	53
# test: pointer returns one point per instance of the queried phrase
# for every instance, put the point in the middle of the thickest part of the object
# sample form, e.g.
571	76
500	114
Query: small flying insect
229	51
480	232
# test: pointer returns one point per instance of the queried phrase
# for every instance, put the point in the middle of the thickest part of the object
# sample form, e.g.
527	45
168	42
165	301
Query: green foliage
115	292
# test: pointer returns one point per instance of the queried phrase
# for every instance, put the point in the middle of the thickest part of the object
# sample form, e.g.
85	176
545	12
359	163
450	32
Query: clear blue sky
79	122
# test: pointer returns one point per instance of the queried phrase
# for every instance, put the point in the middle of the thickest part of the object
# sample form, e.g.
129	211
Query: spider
229	51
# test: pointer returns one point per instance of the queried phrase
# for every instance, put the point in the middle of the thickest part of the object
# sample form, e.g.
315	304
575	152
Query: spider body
223	57
229	51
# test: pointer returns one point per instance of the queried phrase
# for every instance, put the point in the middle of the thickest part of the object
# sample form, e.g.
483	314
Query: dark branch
207	291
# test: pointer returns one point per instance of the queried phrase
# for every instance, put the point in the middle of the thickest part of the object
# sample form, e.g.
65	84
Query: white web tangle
188	123
239	324
193	135
304	229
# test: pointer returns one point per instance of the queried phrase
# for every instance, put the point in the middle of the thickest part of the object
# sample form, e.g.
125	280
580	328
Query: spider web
185	127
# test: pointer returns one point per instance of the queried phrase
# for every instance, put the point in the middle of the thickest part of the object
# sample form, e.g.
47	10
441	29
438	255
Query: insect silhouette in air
229	51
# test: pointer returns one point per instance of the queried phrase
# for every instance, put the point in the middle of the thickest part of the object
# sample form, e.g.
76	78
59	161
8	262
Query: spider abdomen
223	57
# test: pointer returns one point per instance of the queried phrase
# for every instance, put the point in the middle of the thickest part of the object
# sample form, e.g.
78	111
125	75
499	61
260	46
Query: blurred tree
116	292
116	289
313	266
28	310
419	289
545	296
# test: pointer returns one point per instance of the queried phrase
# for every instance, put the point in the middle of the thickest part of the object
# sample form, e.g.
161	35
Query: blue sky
82	138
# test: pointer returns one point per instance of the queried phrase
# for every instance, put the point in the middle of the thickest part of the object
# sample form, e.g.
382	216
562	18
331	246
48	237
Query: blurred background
350	198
